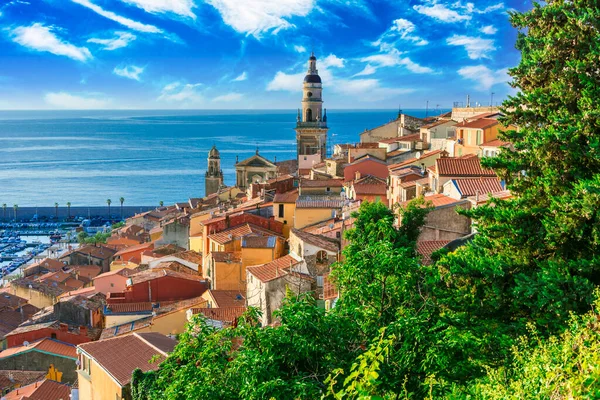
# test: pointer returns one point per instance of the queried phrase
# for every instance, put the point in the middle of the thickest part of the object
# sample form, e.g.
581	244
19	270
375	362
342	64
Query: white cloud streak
241	77
368	70
179	92
69	101
229	97
131	24
485	77
489	30
300	49
182	8
42	38
441	13
256	17
476	47
120	40
129	72
393	58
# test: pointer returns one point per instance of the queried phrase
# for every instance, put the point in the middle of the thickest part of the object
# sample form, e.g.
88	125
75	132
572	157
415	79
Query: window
53	336
479	134
112	285
281	209
338	235
322	257
328	189
299	249
319	281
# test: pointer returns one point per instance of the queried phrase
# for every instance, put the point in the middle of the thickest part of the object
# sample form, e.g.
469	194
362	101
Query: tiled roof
48	288
46	345
473	186
157	273
42	390
10	378
11	301
232	233
367	157
287	197
329	290
100	252
189	255
227	315
388	141
227	298
258	242
481	123
127	327
121	355
317	240
437	200
121	271
310	201
143	246
461	167
320	183
370	185
495	143
505	194
426	247
410	138
287	166
274	269
411	161
436	123
408	184
225	256
87	271
31	328
135	308
49	264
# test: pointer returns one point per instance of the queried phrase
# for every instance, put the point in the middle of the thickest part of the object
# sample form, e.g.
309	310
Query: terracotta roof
11	378
121	271
31	328
126	328
49	264
388	141
225	256
287	197
235	232
49	288
287	166
320	183
410	138
367	157
439	200
86	292
258	242
100	252
426	247
87	271
411	161
505	194
310	201
462	167
481	123
408	184
317	240
189	255
143	246
11	301
370	185
473	186
274	269
329	290
42	390
228	315
135	308
121	355
227	298
45	345
158	273
495	143
436	123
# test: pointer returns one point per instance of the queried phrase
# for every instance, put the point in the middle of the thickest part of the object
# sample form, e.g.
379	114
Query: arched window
322	257
308	115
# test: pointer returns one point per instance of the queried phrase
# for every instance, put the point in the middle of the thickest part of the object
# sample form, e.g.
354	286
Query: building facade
311	123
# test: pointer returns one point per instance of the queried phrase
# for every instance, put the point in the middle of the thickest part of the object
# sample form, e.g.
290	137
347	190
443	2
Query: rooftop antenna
399	110
492	100
427	109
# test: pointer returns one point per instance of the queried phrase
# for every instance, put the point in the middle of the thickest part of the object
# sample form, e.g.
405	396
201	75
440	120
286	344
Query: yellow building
105	367
197	229
284	209
313	209
38	294
470	135
118	264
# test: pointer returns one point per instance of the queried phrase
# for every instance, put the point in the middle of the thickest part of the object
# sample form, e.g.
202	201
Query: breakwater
63	213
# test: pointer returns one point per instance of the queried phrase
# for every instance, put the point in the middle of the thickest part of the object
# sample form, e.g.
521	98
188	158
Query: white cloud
42	38
332	61
287	82
242	77
179	7
229	97
255	17
476	47
75	102
178	92
393	58
131	24
485	77
121	39
368	89
368	70
489	30
300	49
403	29
129	71
441	13
489	9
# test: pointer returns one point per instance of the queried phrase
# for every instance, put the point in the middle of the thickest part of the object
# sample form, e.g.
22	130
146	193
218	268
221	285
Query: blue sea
85	157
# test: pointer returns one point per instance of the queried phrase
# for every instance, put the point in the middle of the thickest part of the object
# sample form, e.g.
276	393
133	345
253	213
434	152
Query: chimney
468	101
357	175
83	331
63	327
477	196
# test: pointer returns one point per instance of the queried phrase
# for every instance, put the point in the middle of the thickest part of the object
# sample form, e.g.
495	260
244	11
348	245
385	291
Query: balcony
312	124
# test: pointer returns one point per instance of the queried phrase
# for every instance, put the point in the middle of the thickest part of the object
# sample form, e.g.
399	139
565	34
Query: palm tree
122	200
108	201
56	210
3	210
161	203
15	208
69	210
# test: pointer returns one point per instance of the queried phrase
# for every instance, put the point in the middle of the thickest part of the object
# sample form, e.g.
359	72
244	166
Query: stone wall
36	361
444	223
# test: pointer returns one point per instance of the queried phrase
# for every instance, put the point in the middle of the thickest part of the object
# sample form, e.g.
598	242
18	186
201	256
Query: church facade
311	123
255	169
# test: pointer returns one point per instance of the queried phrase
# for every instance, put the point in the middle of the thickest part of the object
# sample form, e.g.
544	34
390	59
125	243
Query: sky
252	54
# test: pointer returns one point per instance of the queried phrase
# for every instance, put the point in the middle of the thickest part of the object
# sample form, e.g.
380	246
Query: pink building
113	281
367	165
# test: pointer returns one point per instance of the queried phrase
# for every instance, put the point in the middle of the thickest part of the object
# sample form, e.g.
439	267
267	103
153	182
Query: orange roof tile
274	269
480	185
481	123
330	292
411	161
287	197
426	247
460	167
46	345
42	390
319	183
227	315
235	232
227	298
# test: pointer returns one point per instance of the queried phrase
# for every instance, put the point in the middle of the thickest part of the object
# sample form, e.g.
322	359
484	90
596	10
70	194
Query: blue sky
229	54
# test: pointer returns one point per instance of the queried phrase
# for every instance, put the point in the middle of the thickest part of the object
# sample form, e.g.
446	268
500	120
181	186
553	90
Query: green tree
69	210
108	202
122	200
161	203
536	258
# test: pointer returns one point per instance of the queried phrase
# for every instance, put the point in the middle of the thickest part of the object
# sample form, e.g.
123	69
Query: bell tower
311	122
214	175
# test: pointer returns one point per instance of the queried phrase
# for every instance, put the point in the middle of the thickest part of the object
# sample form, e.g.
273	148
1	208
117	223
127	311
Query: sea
86	157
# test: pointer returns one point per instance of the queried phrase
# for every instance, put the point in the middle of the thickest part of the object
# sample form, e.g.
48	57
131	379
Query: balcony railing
312	124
